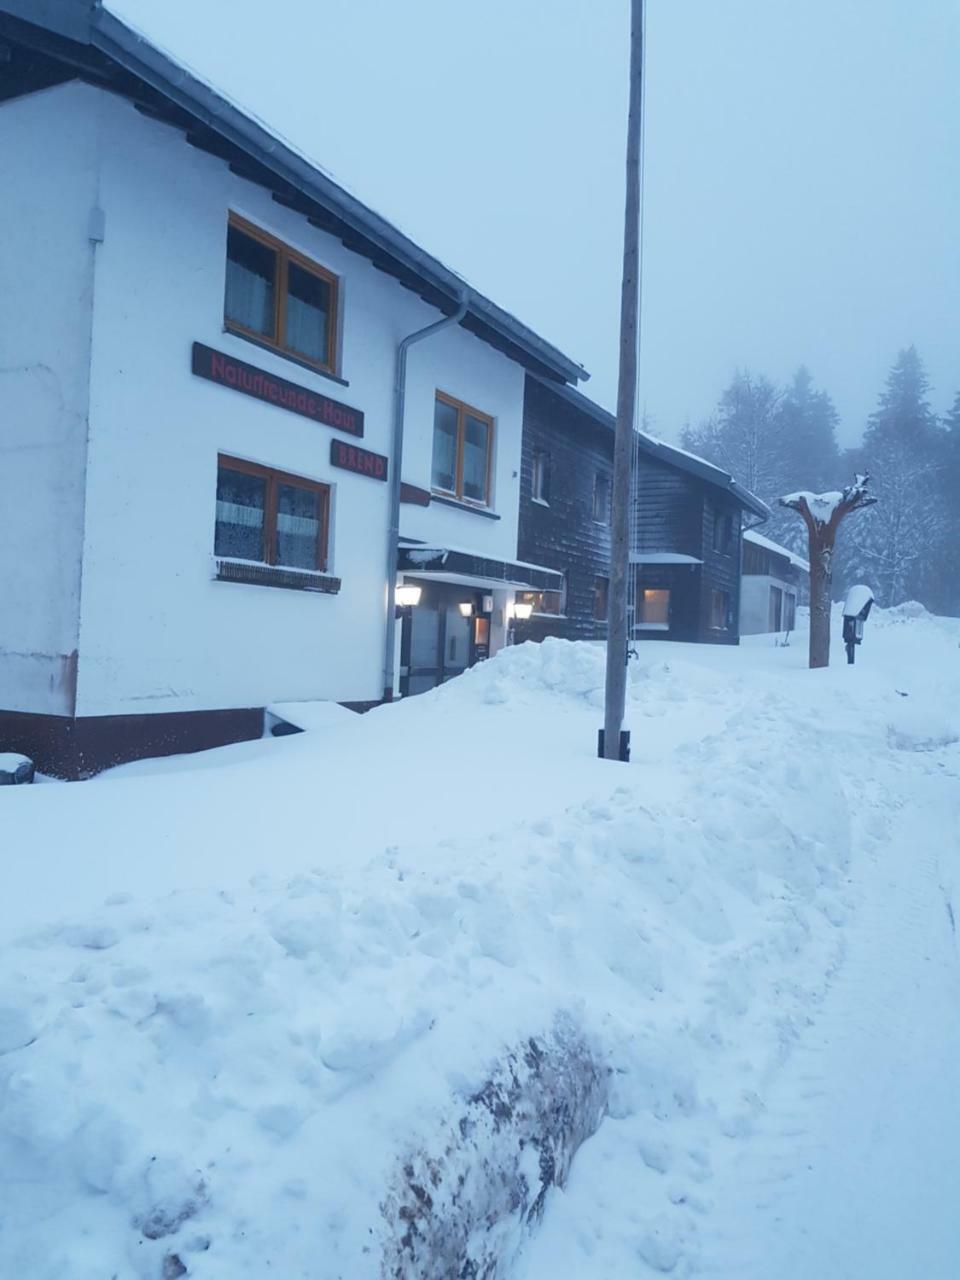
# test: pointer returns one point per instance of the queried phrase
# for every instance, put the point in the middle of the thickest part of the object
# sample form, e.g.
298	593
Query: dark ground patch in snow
461	1211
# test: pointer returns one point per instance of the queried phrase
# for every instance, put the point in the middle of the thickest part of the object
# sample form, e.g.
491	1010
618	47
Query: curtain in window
445	447
251	283
308	312
655	607
298	527
241	499
476	449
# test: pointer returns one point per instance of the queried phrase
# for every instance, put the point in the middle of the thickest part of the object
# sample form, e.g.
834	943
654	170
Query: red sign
352	458
249	380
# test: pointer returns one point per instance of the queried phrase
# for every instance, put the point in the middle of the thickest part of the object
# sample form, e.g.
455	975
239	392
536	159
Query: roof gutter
396	473
125	47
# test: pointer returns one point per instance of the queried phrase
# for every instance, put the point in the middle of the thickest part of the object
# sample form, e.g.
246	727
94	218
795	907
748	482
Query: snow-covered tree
809	456
745	434
823	514
895	548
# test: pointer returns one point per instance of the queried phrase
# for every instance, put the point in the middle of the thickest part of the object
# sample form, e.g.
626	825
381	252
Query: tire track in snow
853	1172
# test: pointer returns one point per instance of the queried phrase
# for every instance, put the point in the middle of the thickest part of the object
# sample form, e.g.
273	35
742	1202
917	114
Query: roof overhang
56	40
448	565
662	557
660	451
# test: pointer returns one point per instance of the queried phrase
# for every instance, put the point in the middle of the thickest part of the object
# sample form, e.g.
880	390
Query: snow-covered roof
52	41
670	454
821	505
751	535
662	557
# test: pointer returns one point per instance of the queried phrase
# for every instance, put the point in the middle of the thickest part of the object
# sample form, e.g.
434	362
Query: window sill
463	506
254	574
651	626
282	354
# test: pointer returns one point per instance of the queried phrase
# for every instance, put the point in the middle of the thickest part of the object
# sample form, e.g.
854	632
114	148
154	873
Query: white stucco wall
755	601
157	632
48	181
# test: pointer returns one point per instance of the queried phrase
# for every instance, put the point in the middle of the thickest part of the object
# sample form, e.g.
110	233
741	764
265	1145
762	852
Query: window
789	611
552	603
270	517
719	610
653	609
541	477
722	532
276	296
462	451
600	592
601	498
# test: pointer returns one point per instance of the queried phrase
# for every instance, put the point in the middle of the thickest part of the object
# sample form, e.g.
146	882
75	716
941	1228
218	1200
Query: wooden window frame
640	623
285	255
601	594
727	602
273	480
463	409
723	533
540	472
598	477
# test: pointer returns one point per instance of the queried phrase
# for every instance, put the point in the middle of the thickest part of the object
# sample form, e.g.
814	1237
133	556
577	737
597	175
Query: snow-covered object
218	1057
15	768
824	506
858	598
821	505
751	535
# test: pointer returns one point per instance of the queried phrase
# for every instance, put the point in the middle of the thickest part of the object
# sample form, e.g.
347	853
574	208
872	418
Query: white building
198	417
773	581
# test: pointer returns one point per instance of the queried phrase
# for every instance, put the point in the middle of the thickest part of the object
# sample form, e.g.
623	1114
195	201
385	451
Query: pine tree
810	456
946	561
745	435
895	546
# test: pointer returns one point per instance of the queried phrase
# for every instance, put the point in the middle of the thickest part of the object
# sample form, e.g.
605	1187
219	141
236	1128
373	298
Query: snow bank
253	1074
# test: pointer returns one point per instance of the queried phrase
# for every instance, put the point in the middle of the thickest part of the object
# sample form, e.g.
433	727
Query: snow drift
376	1060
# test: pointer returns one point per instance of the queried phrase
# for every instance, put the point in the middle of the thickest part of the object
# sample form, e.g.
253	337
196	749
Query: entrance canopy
448	564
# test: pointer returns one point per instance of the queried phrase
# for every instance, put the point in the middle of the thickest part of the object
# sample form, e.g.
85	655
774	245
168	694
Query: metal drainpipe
393	534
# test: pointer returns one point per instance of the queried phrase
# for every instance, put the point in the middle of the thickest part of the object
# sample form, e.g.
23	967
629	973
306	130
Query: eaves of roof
663	452
82	39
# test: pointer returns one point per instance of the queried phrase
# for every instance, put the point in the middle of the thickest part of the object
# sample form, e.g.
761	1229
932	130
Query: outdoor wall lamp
466	608
406	596
522	611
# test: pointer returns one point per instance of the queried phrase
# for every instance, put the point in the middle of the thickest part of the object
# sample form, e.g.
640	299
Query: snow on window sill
254	573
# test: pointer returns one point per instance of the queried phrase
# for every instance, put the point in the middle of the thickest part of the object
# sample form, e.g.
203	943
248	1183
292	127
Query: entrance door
423	664
437	641
456	642
776	609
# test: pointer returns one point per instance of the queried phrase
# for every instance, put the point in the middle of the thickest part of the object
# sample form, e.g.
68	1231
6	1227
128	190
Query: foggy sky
802	181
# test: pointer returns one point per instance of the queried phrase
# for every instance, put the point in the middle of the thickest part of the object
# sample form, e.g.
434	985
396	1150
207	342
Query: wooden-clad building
687	518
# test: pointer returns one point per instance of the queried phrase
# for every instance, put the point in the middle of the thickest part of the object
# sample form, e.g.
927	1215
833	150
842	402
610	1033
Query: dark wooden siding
721	570
676	516
564	535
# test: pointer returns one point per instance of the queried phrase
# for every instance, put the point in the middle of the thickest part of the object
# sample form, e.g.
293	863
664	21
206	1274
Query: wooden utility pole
822	514
616	684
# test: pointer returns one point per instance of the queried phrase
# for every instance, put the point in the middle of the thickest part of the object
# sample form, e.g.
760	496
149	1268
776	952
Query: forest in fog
778	439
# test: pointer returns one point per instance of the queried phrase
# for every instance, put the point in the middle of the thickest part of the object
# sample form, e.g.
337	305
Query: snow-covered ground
239	992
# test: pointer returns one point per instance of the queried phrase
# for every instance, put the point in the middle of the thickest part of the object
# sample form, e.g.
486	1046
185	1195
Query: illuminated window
653	609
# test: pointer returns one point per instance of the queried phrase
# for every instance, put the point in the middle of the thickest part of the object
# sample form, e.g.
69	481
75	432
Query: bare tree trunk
823	514
616	682
821	582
